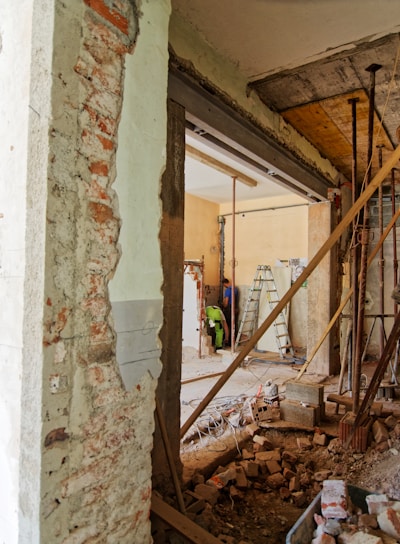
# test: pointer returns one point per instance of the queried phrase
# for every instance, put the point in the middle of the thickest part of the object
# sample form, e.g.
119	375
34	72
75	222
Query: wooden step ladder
264	281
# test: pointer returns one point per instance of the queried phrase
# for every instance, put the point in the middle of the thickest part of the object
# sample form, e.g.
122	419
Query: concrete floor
245	381
216	445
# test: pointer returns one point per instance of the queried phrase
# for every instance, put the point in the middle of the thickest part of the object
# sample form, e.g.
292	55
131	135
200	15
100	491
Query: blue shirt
228	294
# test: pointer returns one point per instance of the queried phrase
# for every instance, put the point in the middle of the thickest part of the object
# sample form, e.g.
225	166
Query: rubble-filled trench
268	479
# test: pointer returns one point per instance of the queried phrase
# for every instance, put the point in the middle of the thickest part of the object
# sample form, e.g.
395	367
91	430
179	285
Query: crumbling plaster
197	55
75	445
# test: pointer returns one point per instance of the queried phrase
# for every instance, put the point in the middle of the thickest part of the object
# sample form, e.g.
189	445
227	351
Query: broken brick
334	499
379	432
273	466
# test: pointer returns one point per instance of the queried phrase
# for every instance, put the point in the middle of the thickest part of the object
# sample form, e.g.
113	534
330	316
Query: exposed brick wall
97	437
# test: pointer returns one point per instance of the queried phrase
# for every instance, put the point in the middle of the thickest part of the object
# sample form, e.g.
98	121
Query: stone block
241	480
309	393
389	522
251	468
391	422
284	493
294	484
299	498
246	454
377	503
273	455
368	520
334	499
273	466
320	439
303	443
288	473
364	538
322	475
380	432
289	457
276	480
263	441
207	492
252	429
302	414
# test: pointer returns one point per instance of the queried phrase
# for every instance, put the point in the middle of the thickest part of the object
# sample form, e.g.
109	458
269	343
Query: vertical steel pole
381	264
233	281
372	69
395	261
355	192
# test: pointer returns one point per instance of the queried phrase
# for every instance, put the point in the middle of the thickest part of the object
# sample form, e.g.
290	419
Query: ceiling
306	59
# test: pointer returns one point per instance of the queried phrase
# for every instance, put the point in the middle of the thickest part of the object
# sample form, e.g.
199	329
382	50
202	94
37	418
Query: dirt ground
261	514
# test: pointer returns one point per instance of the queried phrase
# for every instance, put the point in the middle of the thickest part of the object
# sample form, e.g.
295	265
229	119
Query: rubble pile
290	473
376	520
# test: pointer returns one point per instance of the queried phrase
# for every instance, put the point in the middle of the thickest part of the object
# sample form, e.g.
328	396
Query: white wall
139	161
24	114
135	290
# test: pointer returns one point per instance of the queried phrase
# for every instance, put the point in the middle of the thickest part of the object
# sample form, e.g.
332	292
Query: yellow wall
202	235
264	236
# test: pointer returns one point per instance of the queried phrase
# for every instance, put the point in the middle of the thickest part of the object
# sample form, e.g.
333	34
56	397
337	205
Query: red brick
105	142
104	41
95	191
100	212
111	15
99	167
98	306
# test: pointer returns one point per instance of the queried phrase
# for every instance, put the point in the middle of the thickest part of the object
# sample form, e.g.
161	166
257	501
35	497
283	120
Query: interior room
152	149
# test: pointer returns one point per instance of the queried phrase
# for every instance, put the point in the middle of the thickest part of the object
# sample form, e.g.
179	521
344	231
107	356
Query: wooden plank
327	124
220	166
179	522
348	403
327	246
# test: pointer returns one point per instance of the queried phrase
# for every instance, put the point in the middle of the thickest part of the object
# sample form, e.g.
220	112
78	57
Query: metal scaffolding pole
364	247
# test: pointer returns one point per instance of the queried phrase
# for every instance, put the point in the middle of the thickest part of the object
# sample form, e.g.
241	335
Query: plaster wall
263	237
96	435
135	290
202	235
189	46
26	32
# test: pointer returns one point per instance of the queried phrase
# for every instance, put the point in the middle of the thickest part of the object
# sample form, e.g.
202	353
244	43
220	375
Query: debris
253	429
389	522
334	499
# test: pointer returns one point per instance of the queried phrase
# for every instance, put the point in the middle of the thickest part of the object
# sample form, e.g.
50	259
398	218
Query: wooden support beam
170	457
179	522
377	377
333	238
204	377
220	166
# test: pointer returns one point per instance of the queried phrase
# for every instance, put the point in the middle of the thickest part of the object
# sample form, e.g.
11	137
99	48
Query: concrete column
322	291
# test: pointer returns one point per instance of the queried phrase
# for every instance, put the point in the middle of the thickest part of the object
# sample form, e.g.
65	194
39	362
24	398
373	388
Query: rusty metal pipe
395	261
381	263
355	191
233	301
